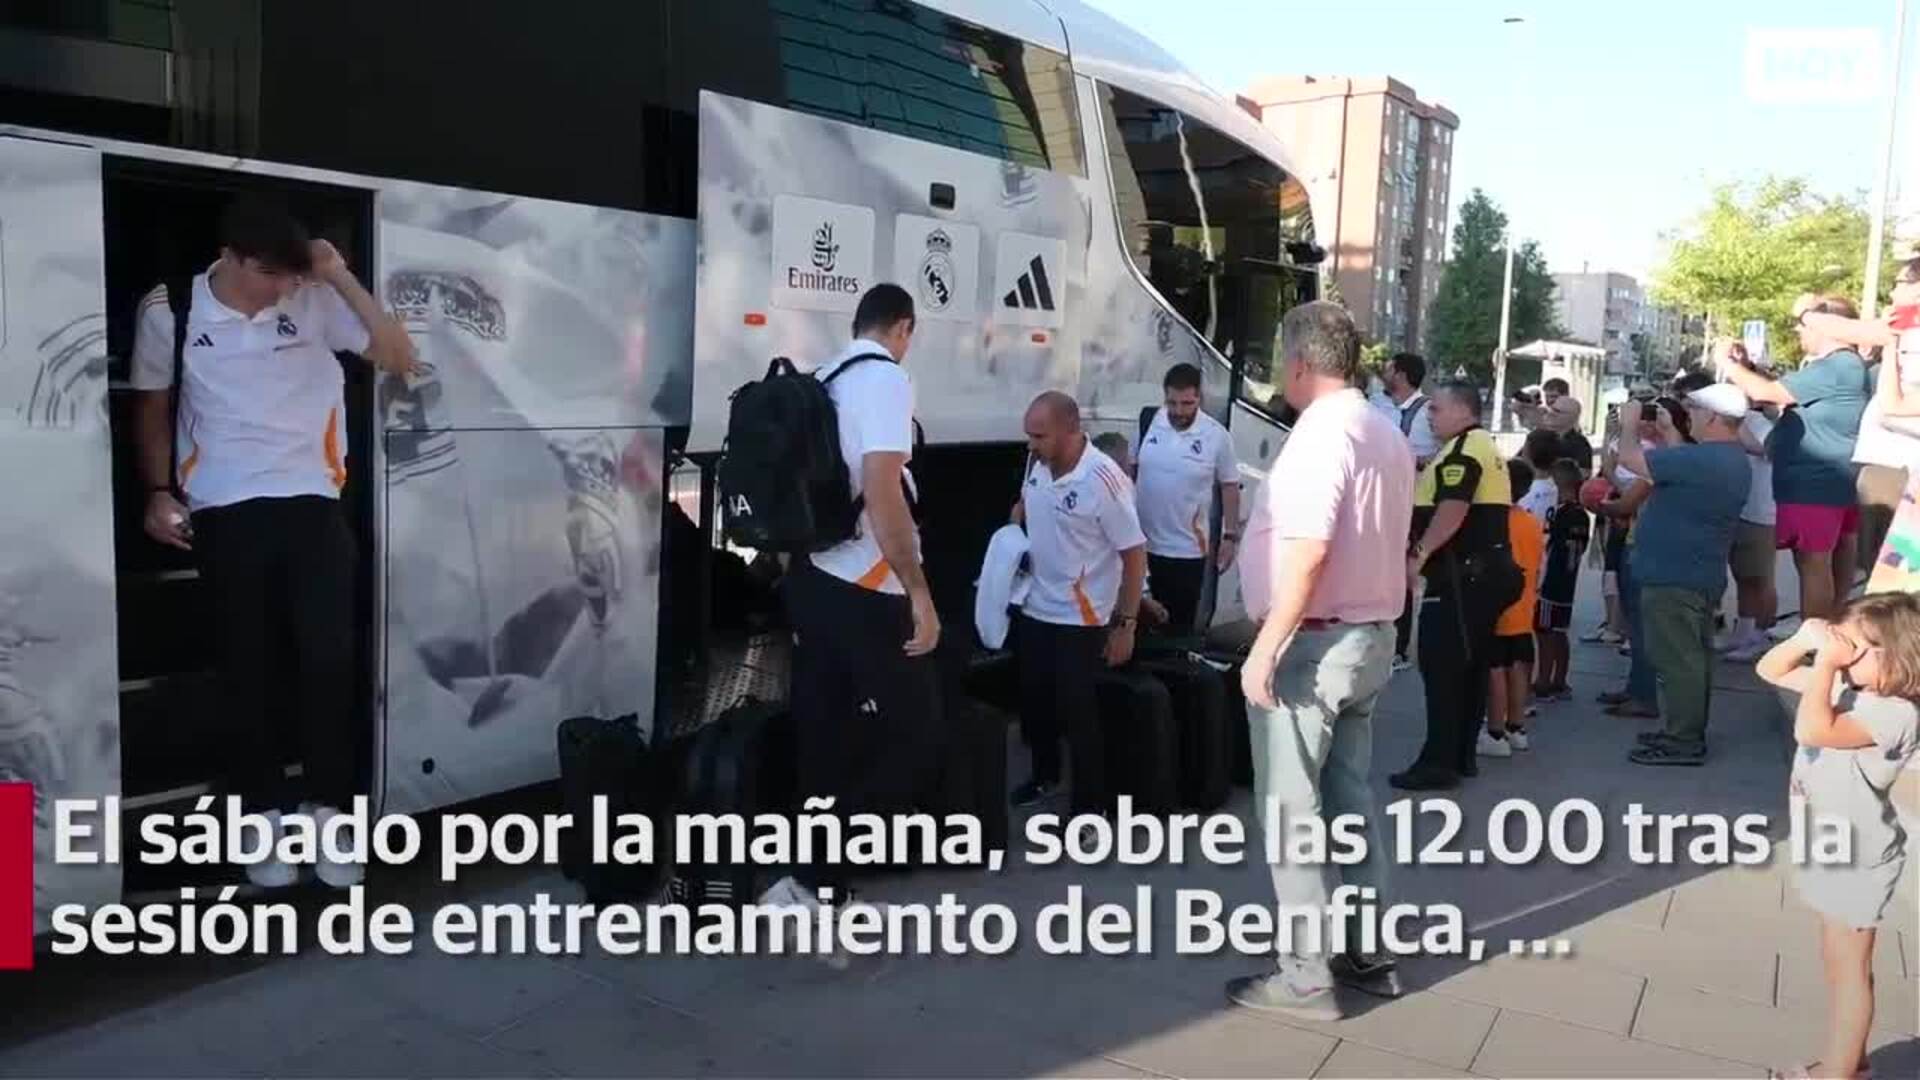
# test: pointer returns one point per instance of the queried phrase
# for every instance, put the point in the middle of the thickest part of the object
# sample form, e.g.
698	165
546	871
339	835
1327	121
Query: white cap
1721	399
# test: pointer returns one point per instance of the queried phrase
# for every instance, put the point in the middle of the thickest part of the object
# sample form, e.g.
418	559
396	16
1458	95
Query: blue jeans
1642	687
1312	754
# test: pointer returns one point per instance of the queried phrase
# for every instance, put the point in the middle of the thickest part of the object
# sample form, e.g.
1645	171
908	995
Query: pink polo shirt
1343	476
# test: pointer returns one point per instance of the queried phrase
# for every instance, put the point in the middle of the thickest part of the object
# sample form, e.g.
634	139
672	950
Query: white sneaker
336	873
1488	746
273	872
789	893
1518	740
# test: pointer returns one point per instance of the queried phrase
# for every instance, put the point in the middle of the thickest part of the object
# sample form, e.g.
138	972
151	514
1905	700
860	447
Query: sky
1598	127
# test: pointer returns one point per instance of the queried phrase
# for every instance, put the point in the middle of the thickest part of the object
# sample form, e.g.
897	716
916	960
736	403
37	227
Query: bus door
59	677
523	478
1261	292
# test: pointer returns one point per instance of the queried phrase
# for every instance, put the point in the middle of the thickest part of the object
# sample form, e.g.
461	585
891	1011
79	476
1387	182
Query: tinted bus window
902	68
1195	206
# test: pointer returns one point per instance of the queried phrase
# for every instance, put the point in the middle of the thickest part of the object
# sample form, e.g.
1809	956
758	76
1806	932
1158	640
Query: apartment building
1601	308
1378	163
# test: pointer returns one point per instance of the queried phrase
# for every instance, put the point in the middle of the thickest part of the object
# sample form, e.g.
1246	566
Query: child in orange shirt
1512	673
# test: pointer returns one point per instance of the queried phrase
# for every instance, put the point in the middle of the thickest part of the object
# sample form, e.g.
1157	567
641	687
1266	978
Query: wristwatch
1235	537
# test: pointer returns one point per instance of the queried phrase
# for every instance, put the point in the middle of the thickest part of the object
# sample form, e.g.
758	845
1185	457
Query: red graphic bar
16	877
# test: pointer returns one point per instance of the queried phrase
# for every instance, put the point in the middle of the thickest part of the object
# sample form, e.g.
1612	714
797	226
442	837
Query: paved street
1675	971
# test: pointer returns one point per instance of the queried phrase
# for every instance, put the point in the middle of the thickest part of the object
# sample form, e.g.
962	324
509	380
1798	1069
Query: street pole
1876	237
1500	357
1506	288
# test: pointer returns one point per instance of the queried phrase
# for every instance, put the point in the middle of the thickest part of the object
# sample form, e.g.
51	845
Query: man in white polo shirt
1181	455
1089	558
257	451
865	691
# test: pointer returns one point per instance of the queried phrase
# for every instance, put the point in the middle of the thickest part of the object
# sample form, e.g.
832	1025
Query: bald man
1563	419
1089	558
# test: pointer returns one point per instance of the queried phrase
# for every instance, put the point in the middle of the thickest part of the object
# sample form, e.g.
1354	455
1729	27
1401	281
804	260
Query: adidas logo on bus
1031	291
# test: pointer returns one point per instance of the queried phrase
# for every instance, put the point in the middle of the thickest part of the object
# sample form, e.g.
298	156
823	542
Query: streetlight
1506	306
1876	236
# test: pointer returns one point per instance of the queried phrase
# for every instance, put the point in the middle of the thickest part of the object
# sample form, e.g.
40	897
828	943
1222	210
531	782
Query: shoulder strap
1147	415
919	435
1407	416
852	360
180	302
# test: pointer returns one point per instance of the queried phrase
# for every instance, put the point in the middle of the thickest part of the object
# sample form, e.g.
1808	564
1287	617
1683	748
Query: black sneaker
1378	976
1424	778
1668	752
1033	793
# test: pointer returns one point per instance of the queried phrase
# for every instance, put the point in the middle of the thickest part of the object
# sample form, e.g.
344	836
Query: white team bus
597	220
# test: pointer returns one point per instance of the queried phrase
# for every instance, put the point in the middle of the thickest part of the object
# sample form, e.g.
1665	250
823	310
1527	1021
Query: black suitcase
1140	744
1239	737
1200	723
611	758
994	680
742	763
970	776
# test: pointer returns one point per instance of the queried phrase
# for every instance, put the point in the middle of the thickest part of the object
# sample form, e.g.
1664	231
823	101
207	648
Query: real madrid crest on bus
942	261
936	276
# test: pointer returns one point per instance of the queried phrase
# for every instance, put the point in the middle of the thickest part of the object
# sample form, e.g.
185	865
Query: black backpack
784	486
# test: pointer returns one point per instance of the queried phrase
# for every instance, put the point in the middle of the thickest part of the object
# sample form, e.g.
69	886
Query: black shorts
1616	545
1552	618
1512	649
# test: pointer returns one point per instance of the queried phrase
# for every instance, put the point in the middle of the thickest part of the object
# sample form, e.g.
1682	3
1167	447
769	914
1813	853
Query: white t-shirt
873	403
1878	444
1177	472
1077	527
1759	509
1540	499
262	407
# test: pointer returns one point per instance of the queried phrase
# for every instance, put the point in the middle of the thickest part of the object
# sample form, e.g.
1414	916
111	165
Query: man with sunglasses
1818	510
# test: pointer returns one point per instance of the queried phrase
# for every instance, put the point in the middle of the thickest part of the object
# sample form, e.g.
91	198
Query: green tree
1464	321
1756	247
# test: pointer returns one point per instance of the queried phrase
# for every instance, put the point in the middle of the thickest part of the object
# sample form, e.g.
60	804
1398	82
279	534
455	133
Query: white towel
1003	585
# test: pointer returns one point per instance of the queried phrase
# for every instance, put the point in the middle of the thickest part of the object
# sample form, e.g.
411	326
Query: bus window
902	68
1193	203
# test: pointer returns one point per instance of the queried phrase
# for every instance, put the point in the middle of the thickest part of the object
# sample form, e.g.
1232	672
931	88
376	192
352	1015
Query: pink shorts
1815	530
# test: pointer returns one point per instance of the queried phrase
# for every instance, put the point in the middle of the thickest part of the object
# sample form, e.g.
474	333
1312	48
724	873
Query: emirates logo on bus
825	252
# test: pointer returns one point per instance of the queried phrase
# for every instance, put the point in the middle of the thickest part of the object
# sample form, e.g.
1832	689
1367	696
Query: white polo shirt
262	408
1077	526
873	404
1177	471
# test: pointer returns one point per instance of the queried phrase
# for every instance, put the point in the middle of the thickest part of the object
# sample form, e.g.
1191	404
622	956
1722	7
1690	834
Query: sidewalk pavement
1677	971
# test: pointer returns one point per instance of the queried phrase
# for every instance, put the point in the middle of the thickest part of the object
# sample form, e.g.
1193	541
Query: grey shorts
1753	552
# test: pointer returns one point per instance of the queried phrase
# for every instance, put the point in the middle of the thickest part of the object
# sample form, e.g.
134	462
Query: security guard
1460	543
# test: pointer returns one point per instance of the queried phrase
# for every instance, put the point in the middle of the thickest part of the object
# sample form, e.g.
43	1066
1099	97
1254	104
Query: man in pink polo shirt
1324	570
